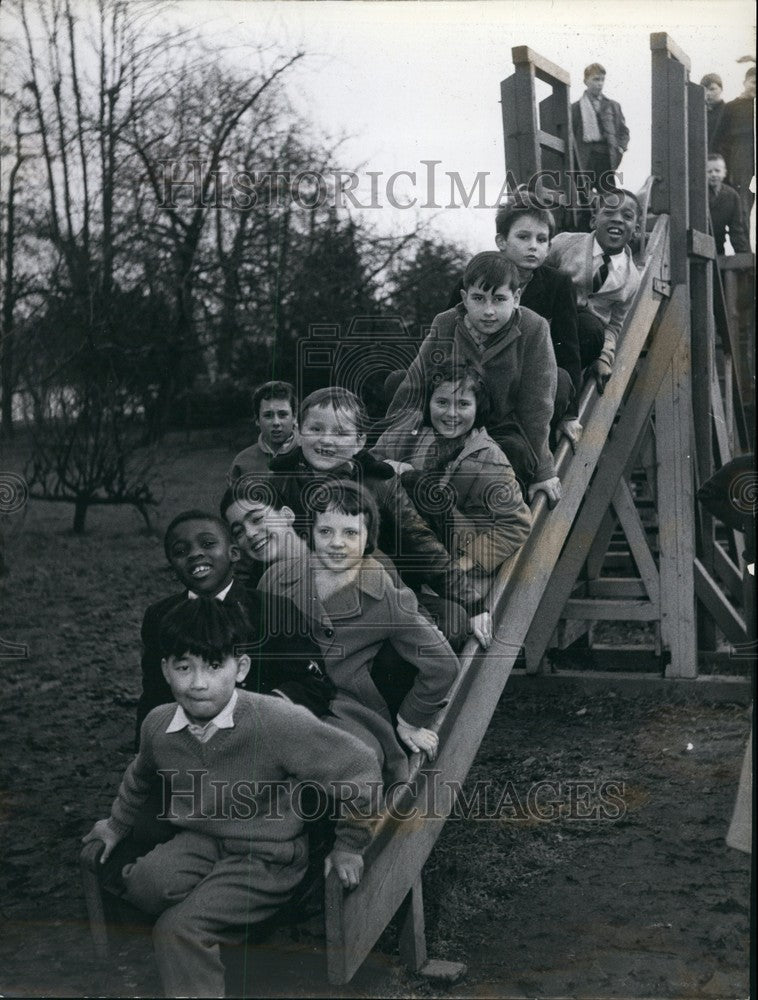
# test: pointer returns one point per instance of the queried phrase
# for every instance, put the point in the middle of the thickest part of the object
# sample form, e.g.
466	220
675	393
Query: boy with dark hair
512	349
229	761
600	134
725	208
261	524
274	408
605	277
286	659
714	110
524	230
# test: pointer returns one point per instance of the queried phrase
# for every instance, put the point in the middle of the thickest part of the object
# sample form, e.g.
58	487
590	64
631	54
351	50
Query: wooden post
703	334
412	930
673	407
538	137
669	145
676	515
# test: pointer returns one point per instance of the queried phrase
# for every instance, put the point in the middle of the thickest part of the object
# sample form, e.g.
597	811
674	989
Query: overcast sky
414	81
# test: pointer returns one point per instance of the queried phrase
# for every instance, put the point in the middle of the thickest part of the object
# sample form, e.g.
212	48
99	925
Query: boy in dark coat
725	208
523	235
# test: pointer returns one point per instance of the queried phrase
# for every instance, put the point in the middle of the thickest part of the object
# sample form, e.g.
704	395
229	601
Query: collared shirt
224	720
285	446
618	267
192	596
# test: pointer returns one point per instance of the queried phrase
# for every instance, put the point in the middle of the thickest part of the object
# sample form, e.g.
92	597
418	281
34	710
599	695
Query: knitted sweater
256	459
238	786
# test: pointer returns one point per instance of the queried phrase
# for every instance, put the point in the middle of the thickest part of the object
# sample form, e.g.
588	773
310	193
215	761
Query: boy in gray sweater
234	766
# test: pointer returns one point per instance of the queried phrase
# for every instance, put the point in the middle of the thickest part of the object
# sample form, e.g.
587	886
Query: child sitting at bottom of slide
228	759
485	519
355	607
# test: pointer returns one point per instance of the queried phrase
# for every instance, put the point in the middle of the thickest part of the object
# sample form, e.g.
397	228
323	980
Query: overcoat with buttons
350	626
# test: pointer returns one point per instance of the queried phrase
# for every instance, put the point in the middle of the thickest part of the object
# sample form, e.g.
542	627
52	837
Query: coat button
328	632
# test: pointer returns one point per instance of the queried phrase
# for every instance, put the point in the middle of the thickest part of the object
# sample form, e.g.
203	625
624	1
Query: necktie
601	274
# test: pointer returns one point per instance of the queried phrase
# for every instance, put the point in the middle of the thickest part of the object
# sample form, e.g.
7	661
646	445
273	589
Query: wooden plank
635	535
676	512
737	262
647	458
616	455
567	633
548	141
412	937
395	858
728	620
545	69
669	151
604	610
524	114
701	245
661	40
599	548
616	586
719	423
697	151
728	571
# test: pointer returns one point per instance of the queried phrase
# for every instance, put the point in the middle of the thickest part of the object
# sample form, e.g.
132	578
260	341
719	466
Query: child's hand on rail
570	428
601	371
550	487
102	830
481	626
349	867
418	739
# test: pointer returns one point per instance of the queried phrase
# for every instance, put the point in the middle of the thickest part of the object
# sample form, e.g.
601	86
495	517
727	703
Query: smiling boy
261	524
605	277
285	659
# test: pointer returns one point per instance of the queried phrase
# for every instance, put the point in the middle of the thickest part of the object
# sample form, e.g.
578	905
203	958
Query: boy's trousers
205	891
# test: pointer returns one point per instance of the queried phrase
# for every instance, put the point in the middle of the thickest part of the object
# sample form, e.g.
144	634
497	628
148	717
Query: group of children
321	611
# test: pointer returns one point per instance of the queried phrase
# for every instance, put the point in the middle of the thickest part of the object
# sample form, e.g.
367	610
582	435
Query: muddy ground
540	897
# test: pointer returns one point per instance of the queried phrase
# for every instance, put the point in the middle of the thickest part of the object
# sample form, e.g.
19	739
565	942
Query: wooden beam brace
611	611
727	570
616	454
412	938
737	262
661	40
701	245
710	594
548	141
616	587
545	70
676	512
629	517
